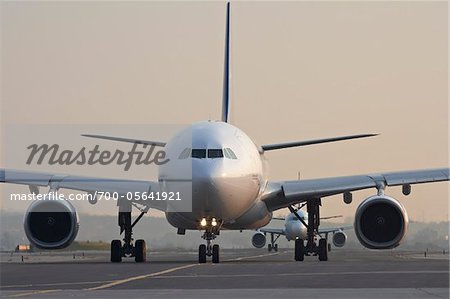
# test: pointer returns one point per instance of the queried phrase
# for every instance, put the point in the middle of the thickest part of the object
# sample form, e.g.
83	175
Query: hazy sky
300	70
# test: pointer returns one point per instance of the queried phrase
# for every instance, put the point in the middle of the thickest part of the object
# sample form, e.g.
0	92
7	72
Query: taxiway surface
246	273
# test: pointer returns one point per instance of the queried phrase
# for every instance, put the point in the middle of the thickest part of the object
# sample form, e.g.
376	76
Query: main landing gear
138	250
212	230
311	248
320	250
273	243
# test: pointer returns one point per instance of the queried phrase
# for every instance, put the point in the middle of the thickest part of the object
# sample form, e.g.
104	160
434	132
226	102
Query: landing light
203	222
214	222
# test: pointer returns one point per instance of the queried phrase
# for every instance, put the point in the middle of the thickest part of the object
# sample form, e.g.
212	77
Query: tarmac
242	273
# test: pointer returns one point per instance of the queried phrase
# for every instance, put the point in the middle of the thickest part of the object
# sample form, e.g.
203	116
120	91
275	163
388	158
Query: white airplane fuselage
294	228
227	188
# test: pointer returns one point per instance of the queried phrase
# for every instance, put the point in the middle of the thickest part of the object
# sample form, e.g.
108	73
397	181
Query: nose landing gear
204	250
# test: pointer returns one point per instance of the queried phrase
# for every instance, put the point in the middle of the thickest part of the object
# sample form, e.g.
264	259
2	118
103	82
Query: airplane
295	227
230	191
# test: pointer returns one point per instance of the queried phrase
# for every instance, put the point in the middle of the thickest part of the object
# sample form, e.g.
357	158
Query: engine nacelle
339	239
381	222
51	223
259	240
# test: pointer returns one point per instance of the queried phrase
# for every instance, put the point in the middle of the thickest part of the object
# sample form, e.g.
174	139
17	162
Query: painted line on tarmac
250	257
156	274
139	277
33	293
54	284
429	257
302	274
110	283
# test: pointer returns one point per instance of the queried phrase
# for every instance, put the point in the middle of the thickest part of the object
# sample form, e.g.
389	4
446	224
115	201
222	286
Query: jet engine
259	240
51	222
381	222
339	239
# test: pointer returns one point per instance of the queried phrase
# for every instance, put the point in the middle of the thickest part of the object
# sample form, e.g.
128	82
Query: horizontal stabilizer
269	147
138	141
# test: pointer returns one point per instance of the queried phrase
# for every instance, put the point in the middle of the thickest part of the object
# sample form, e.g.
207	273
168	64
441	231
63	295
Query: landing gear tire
215	254
127	249
140	251
269	247
299	252
202	254
116	251
323	250
275	247
329	247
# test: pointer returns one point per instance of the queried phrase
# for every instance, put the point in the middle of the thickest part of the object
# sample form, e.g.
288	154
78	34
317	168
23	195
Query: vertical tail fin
226	74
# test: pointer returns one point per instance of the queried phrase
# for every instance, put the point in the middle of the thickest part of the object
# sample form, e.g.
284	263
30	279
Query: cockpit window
226	154
185	153
199	153
215	153
229	153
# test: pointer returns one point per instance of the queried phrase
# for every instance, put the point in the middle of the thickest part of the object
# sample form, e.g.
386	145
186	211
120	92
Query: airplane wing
271	147
278	231
130	140
285	193
334	229
82	183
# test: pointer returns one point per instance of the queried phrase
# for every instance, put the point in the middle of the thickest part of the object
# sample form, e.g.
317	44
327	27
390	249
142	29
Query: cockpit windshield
198	153
215	153
212	153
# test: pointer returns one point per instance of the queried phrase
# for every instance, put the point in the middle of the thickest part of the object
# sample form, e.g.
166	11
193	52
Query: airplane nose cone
206	171
218	193
207	199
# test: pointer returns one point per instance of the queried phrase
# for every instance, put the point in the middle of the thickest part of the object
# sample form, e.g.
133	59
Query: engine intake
381	222
259	240
339	239
51	223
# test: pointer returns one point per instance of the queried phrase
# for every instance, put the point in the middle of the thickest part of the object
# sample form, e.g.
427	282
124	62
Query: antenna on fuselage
226	73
